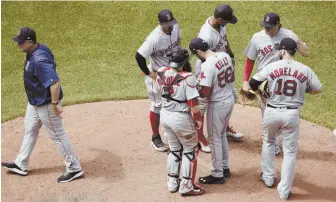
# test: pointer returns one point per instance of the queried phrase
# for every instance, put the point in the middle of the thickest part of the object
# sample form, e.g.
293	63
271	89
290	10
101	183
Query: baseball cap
178	56
287	44
226	13
26	33
166	18
198	44
270	20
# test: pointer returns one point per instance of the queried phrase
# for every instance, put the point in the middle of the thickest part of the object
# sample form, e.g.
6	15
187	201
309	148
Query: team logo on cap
168	17
267	19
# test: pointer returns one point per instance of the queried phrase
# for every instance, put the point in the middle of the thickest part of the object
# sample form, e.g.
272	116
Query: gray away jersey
216	40
262	47
182	91
157	45
288	81
217	72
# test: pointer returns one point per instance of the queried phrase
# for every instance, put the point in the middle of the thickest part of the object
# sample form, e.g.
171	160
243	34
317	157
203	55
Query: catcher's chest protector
169	81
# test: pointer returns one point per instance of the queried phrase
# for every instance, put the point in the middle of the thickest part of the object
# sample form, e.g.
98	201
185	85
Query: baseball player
179	111
214	33
262	47
157	47
217	84
288	80
44	107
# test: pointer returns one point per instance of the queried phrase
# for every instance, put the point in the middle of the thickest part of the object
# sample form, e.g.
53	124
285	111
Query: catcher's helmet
179	56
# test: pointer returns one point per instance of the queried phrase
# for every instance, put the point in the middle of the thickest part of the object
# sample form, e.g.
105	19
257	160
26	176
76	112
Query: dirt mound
112	141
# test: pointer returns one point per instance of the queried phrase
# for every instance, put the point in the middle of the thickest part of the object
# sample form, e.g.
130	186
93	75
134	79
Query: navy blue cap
166	18
226	13
26	33
178	56
287	44
198	44
270	20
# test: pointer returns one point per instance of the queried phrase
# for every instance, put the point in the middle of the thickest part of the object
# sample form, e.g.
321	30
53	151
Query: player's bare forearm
55	90
303	49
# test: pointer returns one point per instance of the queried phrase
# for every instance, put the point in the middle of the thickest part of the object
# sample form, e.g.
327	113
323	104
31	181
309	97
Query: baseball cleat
14	168
158	144
196	191
286	198
211	180
204	148
233	135
227	173
69	176
267	185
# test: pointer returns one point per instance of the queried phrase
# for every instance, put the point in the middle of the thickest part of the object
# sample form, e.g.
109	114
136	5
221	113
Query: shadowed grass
95	42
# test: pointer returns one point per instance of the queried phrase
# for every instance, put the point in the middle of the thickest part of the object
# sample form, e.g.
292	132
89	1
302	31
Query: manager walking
44	107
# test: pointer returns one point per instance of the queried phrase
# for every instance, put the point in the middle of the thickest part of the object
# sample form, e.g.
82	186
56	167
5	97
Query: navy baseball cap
26	33
198	44
166	18
226	13
287	44
270	20
178	57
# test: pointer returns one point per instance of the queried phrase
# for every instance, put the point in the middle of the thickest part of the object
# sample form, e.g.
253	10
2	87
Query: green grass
95	42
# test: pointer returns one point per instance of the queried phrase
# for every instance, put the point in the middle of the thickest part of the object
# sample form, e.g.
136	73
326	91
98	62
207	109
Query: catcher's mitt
263	89
187	67
247	97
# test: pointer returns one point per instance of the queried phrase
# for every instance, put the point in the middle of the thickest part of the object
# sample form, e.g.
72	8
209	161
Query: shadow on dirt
105	165
254	147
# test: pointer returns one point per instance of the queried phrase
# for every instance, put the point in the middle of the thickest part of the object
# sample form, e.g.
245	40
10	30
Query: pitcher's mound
112	142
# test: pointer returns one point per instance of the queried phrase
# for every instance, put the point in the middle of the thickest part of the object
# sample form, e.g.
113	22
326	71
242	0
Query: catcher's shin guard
173	164
189	167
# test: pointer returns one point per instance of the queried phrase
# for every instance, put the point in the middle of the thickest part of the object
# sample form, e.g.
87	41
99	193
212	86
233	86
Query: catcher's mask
178	56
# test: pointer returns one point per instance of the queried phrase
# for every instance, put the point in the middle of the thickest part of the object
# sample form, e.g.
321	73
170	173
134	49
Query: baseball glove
187	67
247	97
263	89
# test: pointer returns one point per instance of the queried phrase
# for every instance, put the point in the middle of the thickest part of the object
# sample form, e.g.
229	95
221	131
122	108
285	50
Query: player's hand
198	124
58	110
152	75
246	86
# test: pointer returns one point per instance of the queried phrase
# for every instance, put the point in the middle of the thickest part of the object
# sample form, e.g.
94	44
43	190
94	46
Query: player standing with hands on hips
262	47
178	113
288	80
44	107
217	84
157	47
214	33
